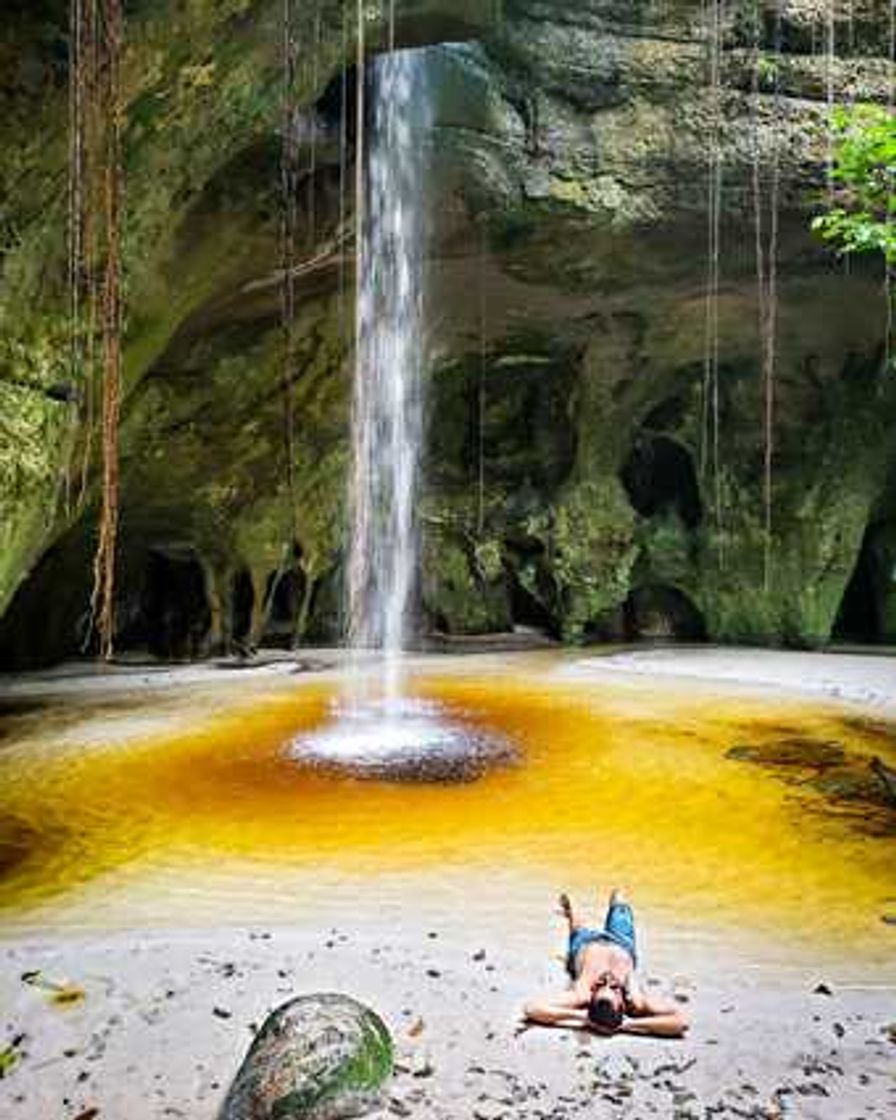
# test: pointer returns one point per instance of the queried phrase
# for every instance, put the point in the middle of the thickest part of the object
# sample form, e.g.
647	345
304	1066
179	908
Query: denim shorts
619	929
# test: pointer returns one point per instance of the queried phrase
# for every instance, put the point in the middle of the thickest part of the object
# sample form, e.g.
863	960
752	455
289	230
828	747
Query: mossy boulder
318	1057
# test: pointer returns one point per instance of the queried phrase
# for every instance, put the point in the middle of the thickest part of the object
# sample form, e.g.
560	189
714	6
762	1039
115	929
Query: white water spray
387	414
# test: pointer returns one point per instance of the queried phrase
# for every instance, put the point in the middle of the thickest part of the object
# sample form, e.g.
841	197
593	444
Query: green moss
593	551
463	593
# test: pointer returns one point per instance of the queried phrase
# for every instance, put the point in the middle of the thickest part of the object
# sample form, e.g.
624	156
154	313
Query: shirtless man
605	996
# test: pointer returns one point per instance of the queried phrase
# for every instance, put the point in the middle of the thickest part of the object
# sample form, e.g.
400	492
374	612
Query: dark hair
603	1013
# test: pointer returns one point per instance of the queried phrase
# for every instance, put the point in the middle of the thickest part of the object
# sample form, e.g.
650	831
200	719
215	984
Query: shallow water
159	809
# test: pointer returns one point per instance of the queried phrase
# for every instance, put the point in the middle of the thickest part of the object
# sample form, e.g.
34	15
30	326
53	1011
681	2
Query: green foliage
863	218
767	71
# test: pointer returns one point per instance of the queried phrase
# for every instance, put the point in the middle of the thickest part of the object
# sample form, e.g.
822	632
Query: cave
660	612
48	617
284	595
527	612
860	615
174	606
242	603
659	478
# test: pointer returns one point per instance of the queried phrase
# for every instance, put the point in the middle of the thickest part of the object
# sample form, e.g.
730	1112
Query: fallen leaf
64	995
416	1028
61	995
9	1057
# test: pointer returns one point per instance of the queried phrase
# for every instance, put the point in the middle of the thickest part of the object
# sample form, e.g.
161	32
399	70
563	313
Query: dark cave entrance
659	612
285	593
659	477
242	602
527	612
860	617
174	605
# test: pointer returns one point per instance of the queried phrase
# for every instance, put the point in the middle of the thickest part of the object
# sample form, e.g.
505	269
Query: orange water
627	785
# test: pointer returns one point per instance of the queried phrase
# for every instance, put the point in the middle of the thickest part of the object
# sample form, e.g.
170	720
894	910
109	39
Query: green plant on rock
862	218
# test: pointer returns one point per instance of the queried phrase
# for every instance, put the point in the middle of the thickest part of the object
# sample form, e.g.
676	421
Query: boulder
317	1057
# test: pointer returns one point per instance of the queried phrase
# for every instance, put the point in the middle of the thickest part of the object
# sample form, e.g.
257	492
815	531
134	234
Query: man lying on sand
605	996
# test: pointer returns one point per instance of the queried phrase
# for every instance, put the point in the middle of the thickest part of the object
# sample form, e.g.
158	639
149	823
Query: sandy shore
166	1019
166	1016
862	681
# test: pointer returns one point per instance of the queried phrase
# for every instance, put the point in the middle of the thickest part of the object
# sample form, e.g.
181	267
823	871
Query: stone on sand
317	1057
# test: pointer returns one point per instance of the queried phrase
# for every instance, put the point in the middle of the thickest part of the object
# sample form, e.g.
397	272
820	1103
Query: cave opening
860	615
527	613
659	477
285	592
660	612
242	603
174	605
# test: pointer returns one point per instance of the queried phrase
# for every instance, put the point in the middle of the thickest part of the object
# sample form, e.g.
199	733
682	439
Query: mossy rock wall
572	474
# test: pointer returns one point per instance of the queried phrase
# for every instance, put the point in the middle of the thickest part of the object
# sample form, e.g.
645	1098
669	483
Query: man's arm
669	1025
564	1010
658	1017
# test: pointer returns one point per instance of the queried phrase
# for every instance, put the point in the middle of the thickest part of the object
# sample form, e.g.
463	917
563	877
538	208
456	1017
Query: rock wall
573	479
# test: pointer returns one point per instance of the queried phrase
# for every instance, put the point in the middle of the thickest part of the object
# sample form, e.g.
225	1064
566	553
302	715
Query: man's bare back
605	996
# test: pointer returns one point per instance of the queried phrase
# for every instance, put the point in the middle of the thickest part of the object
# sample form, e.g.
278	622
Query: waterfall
378	728
390	347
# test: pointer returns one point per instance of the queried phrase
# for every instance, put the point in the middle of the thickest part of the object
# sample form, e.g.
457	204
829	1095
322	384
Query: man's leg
572	918
574	925
620	923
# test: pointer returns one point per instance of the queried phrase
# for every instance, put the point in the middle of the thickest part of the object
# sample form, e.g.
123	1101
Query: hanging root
710	456
103	212
767	286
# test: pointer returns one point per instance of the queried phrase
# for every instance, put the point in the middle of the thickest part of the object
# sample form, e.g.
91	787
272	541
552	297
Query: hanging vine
481	395
87	113
888	265
830	51
312	138
766	250
360	208
289	180
95	204
710	459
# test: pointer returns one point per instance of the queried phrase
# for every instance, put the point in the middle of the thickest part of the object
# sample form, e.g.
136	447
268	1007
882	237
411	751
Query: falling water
379	729
387	413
